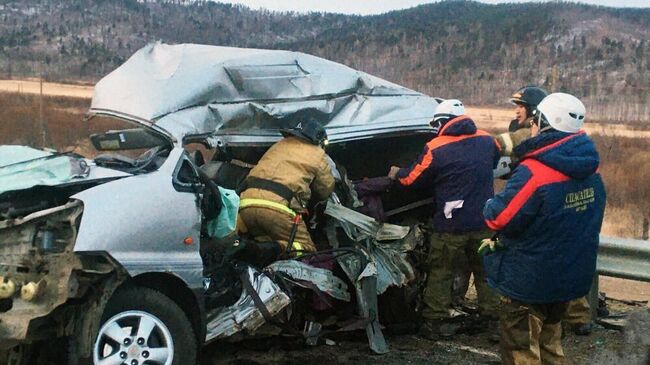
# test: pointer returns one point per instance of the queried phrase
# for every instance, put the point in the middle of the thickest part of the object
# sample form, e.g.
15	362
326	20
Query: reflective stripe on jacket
261	203
509	140
457	166
548	217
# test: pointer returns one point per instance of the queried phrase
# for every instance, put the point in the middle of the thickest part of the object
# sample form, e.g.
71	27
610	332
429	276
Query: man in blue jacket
456	165
548	219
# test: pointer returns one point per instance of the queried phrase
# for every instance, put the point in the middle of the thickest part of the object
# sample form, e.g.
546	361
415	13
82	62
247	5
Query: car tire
144	325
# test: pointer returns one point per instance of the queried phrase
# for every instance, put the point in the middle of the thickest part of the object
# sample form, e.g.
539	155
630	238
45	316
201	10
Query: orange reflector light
188	240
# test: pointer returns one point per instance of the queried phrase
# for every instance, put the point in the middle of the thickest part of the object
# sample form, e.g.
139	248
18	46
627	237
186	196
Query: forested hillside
464	49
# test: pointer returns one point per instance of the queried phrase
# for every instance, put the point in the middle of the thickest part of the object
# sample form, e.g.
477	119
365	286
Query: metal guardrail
624	258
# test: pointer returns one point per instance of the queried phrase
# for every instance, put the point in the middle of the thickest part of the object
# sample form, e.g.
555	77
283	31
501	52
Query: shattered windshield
125	146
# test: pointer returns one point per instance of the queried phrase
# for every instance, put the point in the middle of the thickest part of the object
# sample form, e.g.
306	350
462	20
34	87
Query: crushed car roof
191	89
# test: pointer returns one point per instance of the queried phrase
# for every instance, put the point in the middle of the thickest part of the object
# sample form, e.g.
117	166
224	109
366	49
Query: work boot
438	329
582	329
488	324
491	324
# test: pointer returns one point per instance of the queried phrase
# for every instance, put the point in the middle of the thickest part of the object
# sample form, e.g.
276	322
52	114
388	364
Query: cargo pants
578	312
267	224
531	333
444	250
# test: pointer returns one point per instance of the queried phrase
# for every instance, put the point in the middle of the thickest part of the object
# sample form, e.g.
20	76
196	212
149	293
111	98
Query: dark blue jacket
548	217
457	165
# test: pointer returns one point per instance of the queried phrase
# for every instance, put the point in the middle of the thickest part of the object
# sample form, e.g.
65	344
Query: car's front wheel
142	326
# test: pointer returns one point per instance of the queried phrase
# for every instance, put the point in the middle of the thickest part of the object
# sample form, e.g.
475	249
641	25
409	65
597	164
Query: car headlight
7	288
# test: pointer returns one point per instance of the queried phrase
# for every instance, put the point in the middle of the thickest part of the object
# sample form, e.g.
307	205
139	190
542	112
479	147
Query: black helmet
309	130
529	97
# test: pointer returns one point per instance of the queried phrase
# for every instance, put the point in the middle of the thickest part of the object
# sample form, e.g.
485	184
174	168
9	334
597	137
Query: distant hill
477	52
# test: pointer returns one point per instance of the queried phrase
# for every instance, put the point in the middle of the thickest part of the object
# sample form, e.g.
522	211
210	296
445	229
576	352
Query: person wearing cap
456	165
291	173
547	219
525	100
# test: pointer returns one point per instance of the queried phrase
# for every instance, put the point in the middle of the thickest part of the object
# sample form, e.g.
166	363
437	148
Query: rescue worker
548	219
457	165
525	100
279	187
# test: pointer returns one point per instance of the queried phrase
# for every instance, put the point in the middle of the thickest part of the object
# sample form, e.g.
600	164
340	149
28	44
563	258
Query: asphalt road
603	346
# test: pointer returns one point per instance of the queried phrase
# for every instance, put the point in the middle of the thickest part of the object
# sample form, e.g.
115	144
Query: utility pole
40	112
41	116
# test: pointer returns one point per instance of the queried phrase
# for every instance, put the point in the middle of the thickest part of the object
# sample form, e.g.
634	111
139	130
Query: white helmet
448	109
563	112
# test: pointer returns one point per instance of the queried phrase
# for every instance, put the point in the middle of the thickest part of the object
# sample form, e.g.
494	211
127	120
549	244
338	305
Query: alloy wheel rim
134	338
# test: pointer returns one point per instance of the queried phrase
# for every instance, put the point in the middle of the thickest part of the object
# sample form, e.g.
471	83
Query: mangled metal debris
245	315
371	266
323	279
384	245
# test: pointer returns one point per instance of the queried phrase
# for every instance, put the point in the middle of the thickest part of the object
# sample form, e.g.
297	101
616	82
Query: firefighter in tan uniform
278	188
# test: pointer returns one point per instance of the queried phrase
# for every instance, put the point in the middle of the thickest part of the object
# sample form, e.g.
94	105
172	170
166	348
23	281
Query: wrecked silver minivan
107	259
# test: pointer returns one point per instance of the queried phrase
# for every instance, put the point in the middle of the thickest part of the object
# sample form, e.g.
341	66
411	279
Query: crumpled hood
574	155
23	167
190	89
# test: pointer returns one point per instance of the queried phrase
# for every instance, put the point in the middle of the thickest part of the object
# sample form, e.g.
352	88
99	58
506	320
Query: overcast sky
381	6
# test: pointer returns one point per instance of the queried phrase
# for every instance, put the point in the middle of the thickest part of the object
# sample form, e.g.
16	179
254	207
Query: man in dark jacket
548	219
457	165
